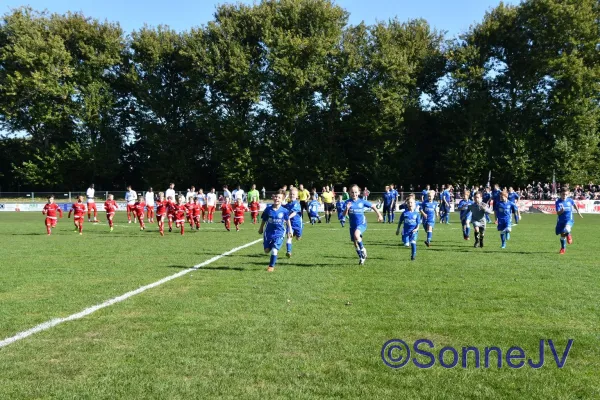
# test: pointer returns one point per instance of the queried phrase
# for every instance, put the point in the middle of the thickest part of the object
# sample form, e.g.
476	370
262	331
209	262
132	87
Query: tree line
287	91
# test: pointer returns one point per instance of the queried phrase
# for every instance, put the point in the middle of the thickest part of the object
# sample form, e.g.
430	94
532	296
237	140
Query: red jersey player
49	211
226	211
170	211
254	209
161	213
180	209
189	208
139	207
239	209
197	210
110	206
78	209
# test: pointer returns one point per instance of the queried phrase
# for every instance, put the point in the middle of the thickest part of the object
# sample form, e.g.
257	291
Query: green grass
312	329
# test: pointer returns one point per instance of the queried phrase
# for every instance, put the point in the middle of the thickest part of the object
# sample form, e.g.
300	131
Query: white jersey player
91	203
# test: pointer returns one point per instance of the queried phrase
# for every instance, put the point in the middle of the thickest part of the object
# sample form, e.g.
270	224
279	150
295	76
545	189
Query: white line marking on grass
56	321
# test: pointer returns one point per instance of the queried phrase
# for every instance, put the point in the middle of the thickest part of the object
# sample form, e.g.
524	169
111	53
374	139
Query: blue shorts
297	230
563	227
408	237
428	223
387	207
504	226
360	228
341	217
272	243
313	215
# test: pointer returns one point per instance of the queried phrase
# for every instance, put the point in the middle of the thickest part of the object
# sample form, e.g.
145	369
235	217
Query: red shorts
51	221
150	208
91	206
130	208
197	216
109	215
210	208
238	220
78	217
254	214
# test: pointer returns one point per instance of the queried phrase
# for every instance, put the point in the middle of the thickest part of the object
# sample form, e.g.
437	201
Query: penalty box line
57	321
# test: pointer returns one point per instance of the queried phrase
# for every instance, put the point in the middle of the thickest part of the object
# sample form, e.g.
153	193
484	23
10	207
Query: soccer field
312	329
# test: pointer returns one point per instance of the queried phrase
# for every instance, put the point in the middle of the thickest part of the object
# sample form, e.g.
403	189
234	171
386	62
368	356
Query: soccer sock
360	245
413	250
429	235
170	223
503	239
393	215
48	229
227	223
273	259
289	245
182	227
80	226
563	242
95	214
468	231
476	236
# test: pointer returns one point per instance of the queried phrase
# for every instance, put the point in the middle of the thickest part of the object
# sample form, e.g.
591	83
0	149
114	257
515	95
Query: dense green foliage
287	91
312	329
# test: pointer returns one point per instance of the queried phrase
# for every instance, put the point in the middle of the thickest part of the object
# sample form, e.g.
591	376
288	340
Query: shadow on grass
486	250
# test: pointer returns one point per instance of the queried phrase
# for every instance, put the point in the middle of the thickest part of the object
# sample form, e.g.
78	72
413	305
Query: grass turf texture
312	329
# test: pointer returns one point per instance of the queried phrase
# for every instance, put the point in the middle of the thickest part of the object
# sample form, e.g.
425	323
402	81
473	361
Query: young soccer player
171	206
479	211
514	198
211	203
202	203
429	212
161	212
445	199
254	209
504	210
355	208
50	210
110	206
139	207
395	196
388	198
313	211
295	216
91	203
487	199
276	219
180	210
496	199
78	210
465	214
564	222
226	211
340	206
411	219
149	197
130	198
238	213
189	209
197	211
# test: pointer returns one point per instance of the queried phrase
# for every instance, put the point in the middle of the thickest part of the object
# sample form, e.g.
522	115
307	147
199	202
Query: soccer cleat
407	244
427	243
228	230
288	254
81	233
162	233
569	239
170	229
129	222
503	246
476	244
412	258
468	238
361	261
364	253
270	269
111	228
562	251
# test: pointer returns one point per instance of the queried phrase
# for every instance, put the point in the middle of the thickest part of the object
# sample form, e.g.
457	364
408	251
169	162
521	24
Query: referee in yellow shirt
303	196
328	204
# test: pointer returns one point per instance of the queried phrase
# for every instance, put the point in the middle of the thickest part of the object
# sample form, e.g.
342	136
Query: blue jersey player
465	214
496	194
564	223
504	210
313	211
514	198
445	199
277	221
487	199
388	198
429	212
395	196
411	219
295	220
355	210
340	206
425	193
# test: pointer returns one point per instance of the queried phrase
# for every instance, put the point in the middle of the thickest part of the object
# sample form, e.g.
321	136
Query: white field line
56	321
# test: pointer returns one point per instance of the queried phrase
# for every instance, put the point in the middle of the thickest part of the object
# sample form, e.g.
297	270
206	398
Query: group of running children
281	221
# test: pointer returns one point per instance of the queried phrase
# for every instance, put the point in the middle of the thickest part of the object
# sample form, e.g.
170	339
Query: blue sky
454	16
